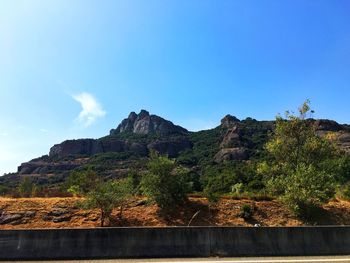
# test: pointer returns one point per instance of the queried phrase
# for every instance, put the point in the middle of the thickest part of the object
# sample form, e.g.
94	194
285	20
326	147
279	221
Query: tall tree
298	167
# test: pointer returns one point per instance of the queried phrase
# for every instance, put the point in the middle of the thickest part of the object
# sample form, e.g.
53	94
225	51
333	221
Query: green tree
225	178
81	182
296	142
26	187
104	196
219	180
165	182
135	179
108	195
298	168
3	190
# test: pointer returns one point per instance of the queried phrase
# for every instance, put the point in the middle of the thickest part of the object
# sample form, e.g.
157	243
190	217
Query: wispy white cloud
44	130
91	109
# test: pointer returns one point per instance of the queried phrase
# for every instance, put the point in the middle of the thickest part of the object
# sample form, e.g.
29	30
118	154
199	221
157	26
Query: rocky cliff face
144	123
148	132
231	147
340	133
136	135
238	136
89	147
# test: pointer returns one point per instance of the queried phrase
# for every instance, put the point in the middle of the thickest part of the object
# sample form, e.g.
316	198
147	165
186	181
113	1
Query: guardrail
165	242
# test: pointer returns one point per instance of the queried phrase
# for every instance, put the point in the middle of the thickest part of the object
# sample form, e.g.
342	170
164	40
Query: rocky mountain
128	146
144	123
158	134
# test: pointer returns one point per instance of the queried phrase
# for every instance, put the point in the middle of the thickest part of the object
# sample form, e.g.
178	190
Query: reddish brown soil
64	213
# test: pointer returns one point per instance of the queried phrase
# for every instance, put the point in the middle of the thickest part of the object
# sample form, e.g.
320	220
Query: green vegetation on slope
205	146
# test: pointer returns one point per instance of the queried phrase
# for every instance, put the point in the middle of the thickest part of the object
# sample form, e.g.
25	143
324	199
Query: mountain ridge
128	146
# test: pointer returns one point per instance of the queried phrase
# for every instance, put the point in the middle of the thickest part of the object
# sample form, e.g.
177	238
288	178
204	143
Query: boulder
30	214
228	154
58	212
61	219
11	218
58	215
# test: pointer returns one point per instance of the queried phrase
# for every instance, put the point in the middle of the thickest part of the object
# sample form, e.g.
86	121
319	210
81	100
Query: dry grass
139	213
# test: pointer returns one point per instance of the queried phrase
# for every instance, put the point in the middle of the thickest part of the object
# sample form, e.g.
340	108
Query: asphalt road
212	260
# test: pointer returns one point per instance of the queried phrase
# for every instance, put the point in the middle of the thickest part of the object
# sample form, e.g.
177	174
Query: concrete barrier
172	242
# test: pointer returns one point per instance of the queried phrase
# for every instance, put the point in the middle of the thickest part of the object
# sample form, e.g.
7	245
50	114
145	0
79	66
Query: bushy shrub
219	179
306	188
213	197
3	190
135	179
194	182
227	177
80	182
237	188
246	212
341	168
108	195
26	187
344	191
164	183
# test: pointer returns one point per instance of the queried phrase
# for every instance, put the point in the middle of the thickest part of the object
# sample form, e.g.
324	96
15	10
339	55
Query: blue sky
75	68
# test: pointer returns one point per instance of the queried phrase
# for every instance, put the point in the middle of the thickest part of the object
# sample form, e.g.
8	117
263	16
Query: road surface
213	260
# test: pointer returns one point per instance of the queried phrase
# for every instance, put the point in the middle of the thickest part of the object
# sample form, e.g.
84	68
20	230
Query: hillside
63	213
127	148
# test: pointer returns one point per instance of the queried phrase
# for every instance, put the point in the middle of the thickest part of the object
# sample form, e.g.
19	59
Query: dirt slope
64	213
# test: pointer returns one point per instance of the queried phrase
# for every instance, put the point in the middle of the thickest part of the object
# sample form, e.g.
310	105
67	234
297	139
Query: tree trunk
121	212
102	218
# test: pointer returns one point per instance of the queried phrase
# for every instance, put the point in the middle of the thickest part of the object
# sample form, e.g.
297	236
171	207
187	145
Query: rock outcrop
16	218
237	137
228	121
139	124
88	147
34	167
343	140
340	133
144	123
149	132
75	147
327	125
231	147
227	154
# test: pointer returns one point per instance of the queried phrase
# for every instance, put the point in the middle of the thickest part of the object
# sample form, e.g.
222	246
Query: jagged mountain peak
145	123
228	121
